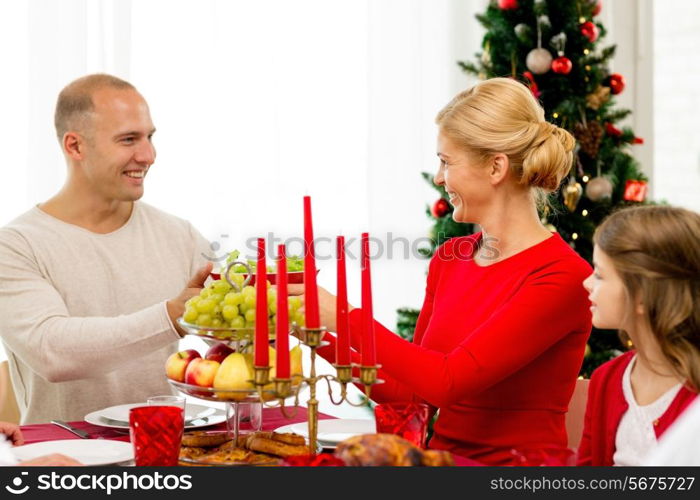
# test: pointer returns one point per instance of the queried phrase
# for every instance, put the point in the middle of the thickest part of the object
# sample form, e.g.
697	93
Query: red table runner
272	419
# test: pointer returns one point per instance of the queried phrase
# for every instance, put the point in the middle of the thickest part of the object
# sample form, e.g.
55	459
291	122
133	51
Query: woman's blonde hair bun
501	115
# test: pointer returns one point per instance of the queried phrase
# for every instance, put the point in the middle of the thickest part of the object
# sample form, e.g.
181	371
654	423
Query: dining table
272	419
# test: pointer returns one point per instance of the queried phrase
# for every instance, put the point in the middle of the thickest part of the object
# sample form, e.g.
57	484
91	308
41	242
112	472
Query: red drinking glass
408	420
156	433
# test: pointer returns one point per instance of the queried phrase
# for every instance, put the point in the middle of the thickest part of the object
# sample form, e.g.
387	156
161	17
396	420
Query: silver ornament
599	189
539	61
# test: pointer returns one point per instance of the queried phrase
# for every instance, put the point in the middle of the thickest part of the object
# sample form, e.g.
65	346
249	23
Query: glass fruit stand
260	385
240	392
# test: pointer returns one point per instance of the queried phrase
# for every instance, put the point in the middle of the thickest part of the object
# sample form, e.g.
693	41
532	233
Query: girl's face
606	293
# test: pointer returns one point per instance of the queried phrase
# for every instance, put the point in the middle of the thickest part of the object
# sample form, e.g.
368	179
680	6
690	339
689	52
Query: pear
273	361
250	361
234	375
296	366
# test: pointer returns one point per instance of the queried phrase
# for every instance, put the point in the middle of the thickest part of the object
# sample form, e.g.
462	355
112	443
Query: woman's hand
13	433
55	460
326	305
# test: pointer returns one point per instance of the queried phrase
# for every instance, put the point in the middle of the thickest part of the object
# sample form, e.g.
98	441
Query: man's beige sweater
83	316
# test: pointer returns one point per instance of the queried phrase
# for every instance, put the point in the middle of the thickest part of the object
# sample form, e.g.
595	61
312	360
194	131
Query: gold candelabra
287	387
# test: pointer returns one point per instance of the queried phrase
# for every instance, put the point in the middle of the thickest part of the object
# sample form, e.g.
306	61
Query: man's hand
326	305
176	306
13	433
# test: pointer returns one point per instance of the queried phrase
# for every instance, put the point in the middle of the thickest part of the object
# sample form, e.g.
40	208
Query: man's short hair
75	100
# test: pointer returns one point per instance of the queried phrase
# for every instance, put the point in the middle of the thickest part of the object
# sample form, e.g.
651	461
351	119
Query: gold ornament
572	194
600	96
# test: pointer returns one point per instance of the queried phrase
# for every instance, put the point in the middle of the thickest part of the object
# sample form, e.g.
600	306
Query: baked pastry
237	456
205	439
192	452
259	448
388	450
287	437
256	442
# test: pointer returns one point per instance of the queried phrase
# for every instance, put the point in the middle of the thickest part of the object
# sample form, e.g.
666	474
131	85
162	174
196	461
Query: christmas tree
553	47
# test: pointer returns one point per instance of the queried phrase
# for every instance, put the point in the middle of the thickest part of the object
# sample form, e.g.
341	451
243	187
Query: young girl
646	283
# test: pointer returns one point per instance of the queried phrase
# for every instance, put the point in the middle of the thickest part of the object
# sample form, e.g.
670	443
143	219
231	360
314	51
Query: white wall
677	102
658	45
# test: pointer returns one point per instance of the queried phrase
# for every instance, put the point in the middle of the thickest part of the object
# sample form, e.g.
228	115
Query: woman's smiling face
466	182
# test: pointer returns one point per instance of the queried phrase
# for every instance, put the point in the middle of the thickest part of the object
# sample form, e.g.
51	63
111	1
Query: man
91	281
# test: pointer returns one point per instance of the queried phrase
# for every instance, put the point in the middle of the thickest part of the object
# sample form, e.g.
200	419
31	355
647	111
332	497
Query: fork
78	432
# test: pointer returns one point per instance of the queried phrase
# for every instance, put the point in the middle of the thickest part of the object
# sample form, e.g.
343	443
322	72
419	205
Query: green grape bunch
219	305
294	264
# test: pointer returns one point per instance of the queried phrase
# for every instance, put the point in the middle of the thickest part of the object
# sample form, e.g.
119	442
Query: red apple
177	363
218	352
201	372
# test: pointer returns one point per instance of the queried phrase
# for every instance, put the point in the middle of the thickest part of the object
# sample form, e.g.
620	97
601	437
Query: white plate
86	451
333	431
117	417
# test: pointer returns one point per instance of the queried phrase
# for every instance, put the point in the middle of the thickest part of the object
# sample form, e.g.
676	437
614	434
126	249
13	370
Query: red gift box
635	190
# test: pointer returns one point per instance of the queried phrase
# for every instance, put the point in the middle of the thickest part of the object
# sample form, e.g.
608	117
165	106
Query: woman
502	332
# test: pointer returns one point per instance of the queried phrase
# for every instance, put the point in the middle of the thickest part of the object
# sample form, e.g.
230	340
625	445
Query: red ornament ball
598	7
440	208
562	65
616	82
507	4
590	31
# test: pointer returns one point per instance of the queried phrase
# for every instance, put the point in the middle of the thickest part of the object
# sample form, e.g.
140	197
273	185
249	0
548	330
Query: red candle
369	357
310	287
262	353
282	329
342	347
